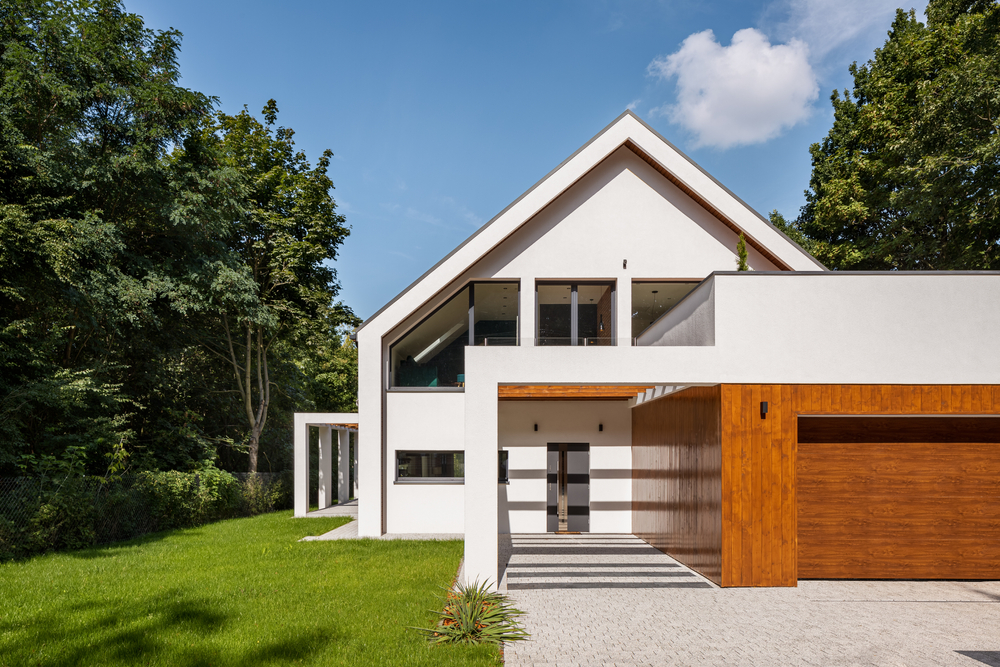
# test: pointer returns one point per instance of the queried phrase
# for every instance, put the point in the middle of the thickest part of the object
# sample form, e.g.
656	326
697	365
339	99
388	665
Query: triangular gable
628	131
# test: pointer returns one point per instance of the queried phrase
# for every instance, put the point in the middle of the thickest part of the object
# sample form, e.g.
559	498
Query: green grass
240	592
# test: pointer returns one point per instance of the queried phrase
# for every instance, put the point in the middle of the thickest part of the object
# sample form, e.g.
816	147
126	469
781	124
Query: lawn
239	592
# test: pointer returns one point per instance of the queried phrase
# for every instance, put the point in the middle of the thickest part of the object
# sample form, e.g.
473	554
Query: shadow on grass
110	549
164	630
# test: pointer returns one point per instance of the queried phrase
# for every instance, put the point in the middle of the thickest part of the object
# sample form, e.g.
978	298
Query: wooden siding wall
677	477
758	481
760	523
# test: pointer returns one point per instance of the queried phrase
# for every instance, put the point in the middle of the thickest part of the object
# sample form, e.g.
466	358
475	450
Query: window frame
390	372
640	281
574	313
426	480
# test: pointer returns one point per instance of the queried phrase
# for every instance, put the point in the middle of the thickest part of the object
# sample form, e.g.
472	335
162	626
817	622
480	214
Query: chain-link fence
46	514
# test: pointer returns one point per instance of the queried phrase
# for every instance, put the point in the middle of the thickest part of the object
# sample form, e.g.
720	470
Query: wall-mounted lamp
763	409
624	263
600	427
536	427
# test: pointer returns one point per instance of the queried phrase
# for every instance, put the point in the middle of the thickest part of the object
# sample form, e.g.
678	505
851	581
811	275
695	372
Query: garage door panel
898	510
889	526
864	560
846	508
831	463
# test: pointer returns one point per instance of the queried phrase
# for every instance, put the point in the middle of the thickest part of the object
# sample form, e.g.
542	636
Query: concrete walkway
612	600
349	531
350	508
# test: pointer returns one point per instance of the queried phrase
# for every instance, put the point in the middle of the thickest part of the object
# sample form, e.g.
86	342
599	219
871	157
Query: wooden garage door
898	498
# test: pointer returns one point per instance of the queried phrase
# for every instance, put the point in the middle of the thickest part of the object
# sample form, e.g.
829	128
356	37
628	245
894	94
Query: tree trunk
256	416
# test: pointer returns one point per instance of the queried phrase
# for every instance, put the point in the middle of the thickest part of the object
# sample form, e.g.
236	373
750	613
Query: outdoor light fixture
763	409
536	427
600	427
624	263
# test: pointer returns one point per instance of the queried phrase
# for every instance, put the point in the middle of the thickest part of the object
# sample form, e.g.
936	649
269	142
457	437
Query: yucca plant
473	614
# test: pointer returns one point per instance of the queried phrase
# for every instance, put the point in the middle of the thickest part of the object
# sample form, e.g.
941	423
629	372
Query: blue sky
441	114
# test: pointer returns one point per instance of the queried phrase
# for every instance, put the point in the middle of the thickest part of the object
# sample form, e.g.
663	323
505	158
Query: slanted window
576	314
432	353
440	467
650	300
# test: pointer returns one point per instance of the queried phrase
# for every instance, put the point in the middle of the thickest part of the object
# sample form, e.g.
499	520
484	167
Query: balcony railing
496	341
580	342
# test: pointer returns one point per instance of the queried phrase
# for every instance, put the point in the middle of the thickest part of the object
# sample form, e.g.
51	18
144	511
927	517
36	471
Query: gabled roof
631	132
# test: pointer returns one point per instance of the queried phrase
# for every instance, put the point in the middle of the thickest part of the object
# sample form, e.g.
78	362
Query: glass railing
555	341
496	341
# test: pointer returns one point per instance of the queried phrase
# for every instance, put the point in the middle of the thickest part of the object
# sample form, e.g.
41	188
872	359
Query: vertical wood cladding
758	482
776	519
676	478
724	490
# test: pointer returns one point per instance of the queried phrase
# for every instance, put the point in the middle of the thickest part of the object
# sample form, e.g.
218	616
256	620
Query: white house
590	361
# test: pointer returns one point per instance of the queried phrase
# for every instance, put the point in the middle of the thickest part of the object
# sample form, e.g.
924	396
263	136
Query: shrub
473	614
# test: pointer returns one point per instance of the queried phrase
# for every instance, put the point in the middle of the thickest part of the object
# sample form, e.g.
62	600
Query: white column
300	467
526	312
371	465
354	482
481	446
343	466
325	496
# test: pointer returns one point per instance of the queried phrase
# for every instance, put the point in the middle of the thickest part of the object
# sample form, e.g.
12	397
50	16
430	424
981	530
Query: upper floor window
431	354
650	300
575	314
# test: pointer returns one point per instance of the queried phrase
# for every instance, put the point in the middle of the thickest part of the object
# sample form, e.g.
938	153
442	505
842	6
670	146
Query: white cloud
826	25
633	104
744	93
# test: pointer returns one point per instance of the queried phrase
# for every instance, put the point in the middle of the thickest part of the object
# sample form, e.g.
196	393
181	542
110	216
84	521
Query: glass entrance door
568	488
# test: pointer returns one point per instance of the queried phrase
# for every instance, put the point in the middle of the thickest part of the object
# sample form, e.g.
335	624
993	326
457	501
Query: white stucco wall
570	421
840	328
424	421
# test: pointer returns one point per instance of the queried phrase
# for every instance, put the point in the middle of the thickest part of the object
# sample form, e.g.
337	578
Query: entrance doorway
568	488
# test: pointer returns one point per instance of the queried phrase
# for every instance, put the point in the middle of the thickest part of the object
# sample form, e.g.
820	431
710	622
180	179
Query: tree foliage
129	223
286	234
907	177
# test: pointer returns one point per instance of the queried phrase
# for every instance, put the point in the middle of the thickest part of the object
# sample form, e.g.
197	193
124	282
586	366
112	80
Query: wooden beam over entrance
569	392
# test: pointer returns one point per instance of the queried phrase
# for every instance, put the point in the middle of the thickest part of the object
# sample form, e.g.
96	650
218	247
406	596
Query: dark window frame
427	480
574	304
471	341
503	467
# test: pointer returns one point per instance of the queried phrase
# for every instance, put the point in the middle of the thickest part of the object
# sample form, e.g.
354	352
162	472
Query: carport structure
344	423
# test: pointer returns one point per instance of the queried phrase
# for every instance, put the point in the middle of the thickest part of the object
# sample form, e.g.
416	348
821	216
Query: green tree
113	214
741	254
907	177
287	235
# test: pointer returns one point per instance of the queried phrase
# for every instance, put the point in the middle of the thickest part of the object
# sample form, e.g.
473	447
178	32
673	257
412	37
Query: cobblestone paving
647	623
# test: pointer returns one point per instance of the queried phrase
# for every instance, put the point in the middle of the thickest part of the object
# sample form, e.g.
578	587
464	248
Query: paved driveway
613	600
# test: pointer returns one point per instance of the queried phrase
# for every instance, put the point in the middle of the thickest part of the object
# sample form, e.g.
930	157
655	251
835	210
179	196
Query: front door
568	488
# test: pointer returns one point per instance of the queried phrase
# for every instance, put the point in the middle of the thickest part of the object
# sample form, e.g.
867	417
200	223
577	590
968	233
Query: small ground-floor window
441	467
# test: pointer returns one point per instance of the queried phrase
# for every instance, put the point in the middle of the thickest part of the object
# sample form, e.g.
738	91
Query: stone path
613	600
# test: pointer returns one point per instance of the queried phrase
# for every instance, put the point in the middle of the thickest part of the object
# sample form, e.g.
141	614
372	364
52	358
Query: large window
432	353
576	314
651	300
430	466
